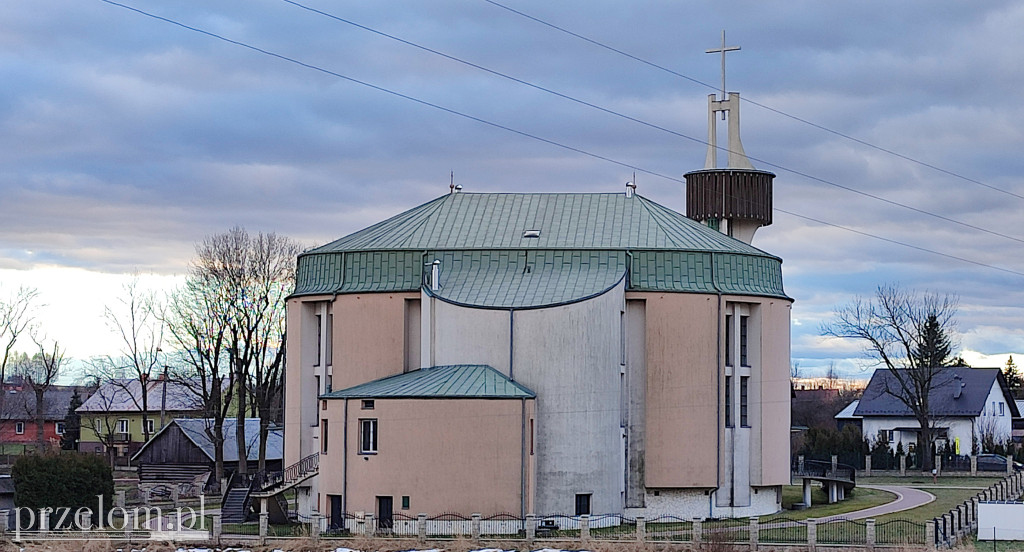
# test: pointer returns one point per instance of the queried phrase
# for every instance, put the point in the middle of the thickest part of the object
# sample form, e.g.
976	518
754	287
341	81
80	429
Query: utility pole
163	401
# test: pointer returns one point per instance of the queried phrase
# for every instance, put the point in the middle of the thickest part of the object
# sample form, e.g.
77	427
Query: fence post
531	527
641	529
835	463
974	465
695	530
938	464
974	513
314	530
264	518
44	520
800	464
903	465
754	526
584	527
474	526
867	465
217	528
4	521
1009	465
370	529
869	530
950	529
421	526
929	534
812	534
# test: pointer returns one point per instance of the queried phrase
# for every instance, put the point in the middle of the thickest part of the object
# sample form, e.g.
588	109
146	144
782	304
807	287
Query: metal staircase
235	508
267	484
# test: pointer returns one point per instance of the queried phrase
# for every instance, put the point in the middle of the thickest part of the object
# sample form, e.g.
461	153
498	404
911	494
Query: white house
966	405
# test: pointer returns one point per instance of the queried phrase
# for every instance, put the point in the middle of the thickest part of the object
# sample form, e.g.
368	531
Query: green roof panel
469	381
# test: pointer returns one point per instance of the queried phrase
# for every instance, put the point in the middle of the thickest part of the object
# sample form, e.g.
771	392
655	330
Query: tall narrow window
728	340
622	338
743	401
368	436
319	339
323	436
728	401
743	341
330	339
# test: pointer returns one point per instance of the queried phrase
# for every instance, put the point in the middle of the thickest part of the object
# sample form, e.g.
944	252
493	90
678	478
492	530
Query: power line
647	123
509	129
752	102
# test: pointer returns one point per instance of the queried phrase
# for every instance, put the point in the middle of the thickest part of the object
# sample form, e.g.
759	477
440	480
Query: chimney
435	275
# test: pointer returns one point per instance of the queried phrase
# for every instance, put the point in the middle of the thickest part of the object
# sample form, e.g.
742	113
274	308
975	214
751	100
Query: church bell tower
737	199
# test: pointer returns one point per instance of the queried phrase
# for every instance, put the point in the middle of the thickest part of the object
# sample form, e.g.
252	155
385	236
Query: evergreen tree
933	347
1014	379
72	424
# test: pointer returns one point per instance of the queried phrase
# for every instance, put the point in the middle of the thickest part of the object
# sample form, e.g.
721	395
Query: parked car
994	462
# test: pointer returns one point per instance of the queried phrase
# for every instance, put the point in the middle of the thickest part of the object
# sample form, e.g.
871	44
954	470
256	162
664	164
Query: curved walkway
907	498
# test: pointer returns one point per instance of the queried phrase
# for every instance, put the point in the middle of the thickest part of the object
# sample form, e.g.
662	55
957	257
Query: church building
548	353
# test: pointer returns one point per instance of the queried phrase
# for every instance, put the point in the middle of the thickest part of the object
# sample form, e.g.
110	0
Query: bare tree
197	327
40	374
832	375
17	313
897	327
137	320
252	275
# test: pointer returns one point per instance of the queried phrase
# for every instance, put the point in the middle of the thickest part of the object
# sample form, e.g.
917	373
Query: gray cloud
124	139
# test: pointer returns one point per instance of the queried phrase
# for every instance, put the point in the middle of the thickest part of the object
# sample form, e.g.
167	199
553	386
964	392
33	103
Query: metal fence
779	530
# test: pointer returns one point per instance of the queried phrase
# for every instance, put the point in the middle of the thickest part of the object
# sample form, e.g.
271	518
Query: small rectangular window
122	426
368	404
1001	411
150	425
19	428
368	436
405	503
743	341
323	405
728	401
59	428
583	504
743	401
323	436
531	436
728	340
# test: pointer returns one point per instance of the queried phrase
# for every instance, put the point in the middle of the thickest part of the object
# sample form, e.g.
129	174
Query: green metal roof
587	244
565	221
470	381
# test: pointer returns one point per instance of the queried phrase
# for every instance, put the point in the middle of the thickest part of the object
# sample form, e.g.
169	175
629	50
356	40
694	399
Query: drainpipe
522	459
718	394
344	460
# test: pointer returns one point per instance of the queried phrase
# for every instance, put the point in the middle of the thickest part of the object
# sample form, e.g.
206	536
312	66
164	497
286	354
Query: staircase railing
265	480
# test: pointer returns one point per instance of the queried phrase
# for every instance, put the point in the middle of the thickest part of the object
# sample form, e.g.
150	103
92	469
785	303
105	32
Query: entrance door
385	519
336	513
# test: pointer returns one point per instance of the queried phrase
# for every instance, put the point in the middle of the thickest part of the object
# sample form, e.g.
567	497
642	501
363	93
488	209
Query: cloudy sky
124	139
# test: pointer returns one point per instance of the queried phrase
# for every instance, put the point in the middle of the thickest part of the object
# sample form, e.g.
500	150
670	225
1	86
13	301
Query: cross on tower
723	49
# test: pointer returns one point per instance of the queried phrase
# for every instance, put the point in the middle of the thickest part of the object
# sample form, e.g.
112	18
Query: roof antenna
452	185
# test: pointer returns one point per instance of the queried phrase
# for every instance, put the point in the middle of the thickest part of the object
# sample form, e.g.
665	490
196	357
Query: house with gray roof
184	449
966	405
18	422
114	421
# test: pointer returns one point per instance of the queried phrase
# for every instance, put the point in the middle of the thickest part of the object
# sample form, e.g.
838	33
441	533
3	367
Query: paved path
906	499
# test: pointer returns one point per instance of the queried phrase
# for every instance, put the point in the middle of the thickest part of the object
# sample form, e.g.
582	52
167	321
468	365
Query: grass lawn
1000	546
859	499
921	480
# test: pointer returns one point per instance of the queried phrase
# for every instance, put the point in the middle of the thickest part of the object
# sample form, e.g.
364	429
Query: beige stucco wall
446	455
369	337
684	396
682	386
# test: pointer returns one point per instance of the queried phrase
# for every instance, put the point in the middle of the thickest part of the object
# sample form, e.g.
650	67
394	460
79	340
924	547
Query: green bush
62	480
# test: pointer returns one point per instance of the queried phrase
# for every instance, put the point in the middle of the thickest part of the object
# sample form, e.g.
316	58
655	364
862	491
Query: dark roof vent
531	234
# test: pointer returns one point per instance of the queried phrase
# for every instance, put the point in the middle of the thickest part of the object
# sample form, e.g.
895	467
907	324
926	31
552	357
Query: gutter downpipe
511	342
718	394
344	463
522	459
